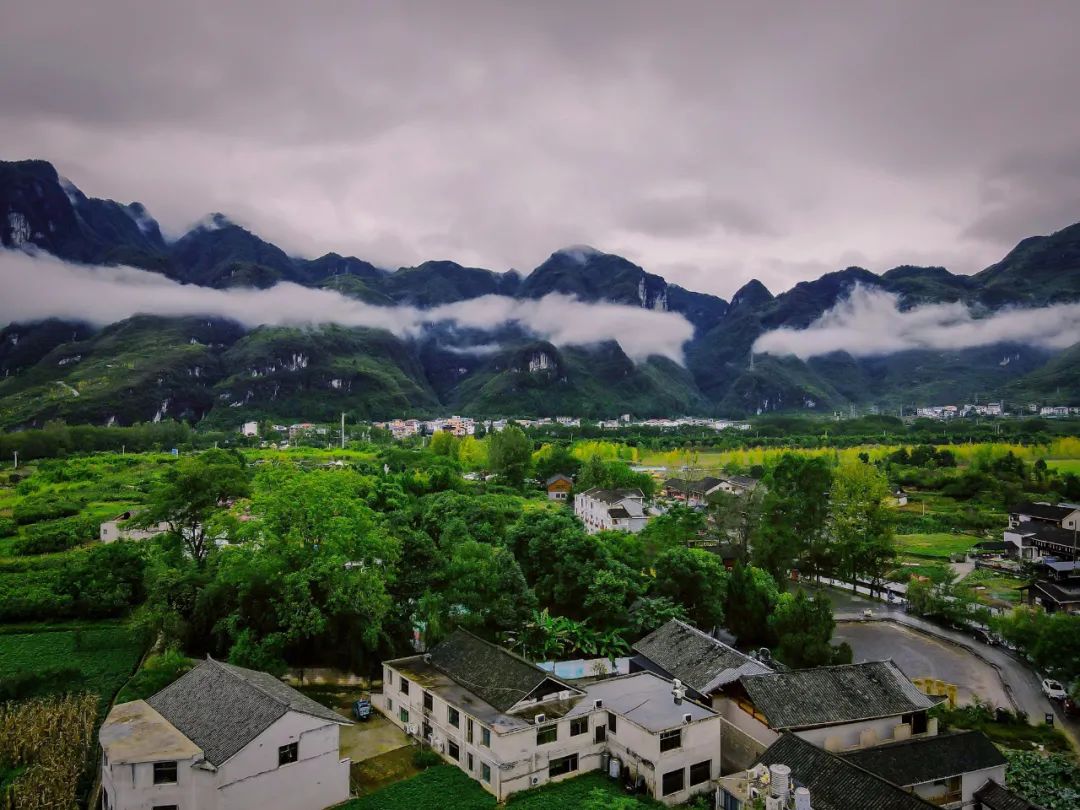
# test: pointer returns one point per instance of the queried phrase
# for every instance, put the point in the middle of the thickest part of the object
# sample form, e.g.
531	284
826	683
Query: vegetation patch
442	787
935	544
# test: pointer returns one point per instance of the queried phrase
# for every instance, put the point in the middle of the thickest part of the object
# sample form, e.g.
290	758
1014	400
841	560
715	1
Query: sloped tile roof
1043	511
926	759
497	676
221	708
698	660
827	695
834	783
994	797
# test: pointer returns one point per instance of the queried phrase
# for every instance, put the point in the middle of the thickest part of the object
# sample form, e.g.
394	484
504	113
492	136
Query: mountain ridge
377	374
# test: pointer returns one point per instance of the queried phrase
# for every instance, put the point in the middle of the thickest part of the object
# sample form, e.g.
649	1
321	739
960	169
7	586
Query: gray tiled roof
993	796
221	708
612	495
1042	511
834	783
698	660
840	694
497	676
926	759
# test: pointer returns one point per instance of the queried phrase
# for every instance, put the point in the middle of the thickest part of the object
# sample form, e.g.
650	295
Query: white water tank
802	798
780	781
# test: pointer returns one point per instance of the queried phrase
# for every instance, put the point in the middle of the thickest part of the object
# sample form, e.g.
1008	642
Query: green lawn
907	566
445	787
1064	465
935	544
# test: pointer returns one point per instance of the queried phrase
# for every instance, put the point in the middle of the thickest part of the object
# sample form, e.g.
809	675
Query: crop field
935	544
1064	465
94	657
993	589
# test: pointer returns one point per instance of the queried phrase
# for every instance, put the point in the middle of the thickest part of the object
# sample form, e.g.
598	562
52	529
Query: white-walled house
946	769
119	529
512	726
223	738
611	510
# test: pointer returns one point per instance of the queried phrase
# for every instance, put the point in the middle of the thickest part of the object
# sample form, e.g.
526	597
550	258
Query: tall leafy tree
510	454
793	512
751	598
192	492
861	523
803	627
694	579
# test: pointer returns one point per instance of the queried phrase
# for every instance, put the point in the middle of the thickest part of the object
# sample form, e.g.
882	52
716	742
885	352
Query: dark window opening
579	726
557	767
547	734
164	773
453	717
288	753
670	740
673	782
611	722
453	750
700	772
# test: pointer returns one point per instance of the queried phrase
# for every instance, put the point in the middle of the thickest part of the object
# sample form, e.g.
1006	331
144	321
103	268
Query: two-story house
1056	587
1040	530
559	487
611	510
222	737
512	726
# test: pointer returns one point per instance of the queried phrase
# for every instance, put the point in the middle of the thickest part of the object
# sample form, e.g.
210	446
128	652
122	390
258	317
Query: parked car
361	709
986	637
1053	690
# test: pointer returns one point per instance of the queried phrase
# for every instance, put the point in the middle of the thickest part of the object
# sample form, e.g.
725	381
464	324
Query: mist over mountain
105	320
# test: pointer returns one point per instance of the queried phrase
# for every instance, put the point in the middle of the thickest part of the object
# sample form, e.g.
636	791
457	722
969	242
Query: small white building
512	726
611	510
250	429
119	529
223	738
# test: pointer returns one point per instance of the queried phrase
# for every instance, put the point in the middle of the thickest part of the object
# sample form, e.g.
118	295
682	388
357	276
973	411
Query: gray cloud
870	323
492	132
42	286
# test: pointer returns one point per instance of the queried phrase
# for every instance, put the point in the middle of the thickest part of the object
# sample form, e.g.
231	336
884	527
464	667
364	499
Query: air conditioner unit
411	729
540	718
598	704
564	694
687	718
534	780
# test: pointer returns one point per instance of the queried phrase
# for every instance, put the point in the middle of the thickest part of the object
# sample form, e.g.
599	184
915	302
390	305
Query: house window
917	721
164	773
485	737
389	706
468	729
288	753
547	734
557	767
600	734
578	726
672	783
403	686
104	757
453	750
469	760
700	772
389	677
611	722
403	715
104	799
670	740
429	701
485	772
427	730
453	717
165	807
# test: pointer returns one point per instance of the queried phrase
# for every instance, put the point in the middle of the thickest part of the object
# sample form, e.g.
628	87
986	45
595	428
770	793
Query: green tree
192	492
510	454
793	512
694	579
751	598
860	523
803	628
445	443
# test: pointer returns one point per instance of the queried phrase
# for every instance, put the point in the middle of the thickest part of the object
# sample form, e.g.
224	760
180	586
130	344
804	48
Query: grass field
907	566
1064	465
997	590
445	787
937	545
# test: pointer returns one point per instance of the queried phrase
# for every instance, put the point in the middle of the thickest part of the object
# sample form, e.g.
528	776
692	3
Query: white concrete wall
251	780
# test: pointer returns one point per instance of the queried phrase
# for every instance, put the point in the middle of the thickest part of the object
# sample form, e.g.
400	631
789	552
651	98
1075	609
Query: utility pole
343	430
16	460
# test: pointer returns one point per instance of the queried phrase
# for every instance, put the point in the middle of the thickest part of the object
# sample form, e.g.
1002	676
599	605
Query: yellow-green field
937	544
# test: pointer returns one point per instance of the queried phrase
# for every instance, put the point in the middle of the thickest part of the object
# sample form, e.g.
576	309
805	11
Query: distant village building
697	493
611	510
900	498
223	737
1054	410
559	487
118	529
250	429
512	726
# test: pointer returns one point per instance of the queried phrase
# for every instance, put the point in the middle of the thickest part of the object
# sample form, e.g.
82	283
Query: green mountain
152	367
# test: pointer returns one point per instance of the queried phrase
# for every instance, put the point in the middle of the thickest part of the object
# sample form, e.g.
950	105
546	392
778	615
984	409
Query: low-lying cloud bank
870	323
34	287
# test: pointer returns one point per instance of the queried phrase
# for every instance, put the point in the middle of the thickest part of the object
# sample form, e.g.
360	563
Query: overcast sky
709	142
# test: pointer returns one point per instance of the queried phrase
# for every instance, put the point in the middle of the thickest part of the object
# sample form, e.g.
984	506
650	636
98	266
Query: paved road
1020	684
